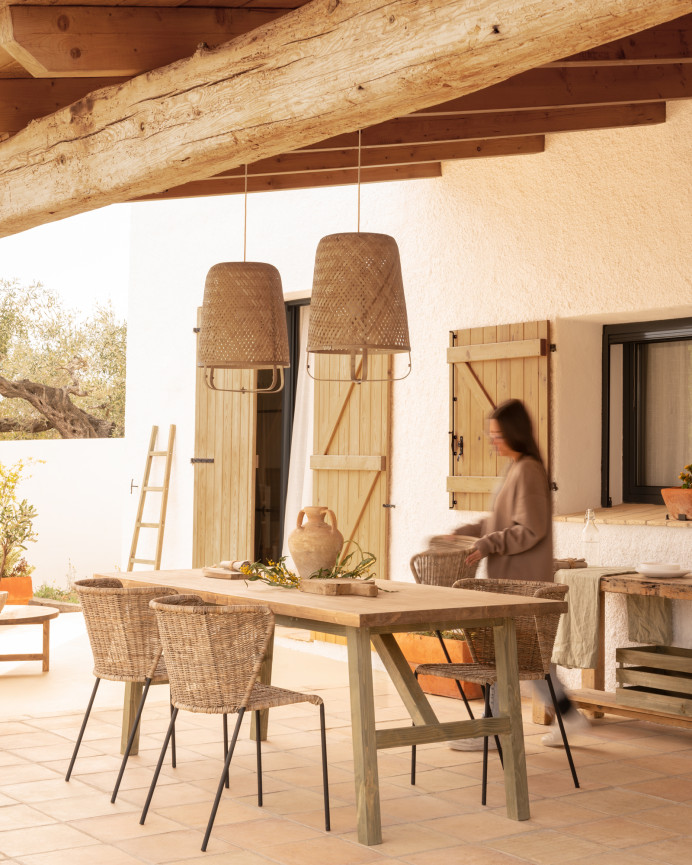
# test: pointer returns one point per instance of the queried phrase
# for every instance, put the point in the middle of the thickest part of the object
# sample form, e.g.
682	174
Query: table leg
133	694
509	698
363	732
595	679
400	673
46	645
265	677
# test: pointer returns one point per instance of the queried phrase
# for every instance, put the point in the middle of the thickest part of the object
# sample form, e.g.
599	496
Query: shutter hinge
553	486
194	460
553	347
388	506
195	330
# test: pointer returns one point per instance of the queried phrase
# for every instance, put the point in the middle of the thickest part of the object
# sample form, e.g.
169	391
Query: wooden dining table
363	621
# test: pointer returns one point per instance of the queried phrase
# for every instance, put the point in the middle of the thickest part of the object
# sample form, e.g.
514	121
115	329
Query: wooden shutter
488	365
224	484
351	451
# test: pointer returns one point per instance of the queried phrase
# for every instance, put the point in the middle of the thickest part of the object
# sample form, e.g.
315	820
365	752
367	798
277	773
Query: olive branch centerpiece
346	567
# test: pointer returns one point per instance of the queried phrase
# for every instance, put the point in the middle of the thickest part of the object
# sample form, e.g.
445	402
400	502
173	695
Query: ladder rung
143	562
158	453
152	489
148	525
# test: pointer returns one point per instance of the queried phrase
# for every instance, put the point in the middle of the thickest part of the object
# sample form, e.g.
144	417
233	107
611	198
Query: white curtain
299	491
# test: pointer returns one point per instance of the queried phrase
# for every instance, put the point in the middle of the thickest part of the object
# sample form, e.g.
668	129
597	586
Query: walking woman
516	538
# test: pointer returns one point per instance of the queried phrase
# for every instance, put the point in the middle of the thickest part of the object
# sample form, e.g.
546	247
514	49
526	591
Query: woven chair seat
478	674
159	677
262	697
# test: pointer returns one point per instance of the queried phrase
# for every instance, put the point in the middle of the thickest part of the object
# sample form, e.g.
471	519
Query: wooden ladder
161	524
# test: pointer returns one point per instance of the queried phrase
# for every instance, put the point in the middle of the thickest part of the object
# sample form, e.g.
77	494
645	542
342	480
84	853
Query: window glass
665	412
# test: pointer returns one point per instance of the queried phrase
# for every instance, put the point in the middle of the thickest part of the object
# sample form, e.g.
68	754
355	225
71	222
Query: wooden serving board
223	574
339	587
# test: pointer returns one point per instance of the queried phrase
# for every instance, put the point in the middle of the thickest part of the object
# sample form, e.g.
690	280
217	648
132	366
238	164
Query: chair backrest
442	566
535	634
121	627
213	652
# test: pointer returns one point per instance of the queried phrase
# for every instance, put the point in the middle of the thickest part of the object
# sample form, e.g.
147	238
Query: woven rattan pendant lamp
357	306
243	322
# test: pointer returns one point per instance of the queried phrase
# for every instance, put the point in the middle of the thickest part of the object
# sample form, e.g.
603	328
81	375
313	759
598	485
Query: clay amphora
315	544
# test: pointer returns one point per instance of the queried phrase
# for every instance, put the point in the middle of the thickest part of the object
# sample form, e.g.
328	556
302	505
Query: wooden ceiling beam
379	157
317	72
669	42
269	183
421	129
111	41
575	87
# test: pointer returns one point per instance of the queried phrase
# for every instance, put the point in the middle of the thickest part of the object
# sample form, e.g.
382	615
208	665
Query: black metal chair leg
558	716
325	779
173	754
458	683
484	786
131	738
162	755
225	747
83	727
259	759
413	750
219	791
489	713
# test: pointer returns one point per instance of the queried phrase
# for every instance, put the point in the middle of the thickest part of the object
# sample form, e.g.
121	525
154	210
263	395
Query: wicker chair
125	644
214	655
444	565
535	638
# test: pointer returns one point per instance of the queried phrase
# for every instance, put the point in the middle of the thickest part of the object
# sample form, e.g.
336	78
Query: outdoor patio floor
635	805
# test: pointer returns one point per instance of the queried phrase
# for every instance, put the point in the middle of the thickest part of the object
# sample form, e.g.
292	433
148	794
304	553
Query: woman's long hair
517	431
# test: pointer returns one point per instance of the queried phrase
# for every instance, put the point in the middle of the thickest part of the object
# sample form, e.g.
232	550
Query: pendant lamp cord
245	219
358	222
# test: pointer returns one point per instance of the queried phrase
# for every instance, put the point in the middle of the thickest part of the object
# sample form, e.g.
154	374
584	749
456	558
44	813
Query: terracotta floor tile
117	827
549	848
100	854
674	851
22	817
555	813
54	788
81	807
613	800
673	816
677	788
244	857
256	834
21	773
41	839
618	832
167	795
174	845
318	851
467	853
481	826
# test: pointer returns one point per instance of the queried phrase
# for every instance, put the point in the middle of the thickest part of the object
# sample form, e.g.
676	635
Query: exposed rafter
321	71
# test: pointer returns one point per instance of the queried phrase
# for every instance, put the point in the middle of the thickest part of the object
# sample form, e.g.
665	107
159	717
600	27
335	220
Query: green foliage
16	523
42	341
51	593
686	477
346	568
273	573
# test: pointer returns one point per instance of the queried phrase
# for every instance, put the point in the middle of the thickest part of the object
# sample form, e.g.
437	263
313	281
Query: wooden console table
25	615
591	696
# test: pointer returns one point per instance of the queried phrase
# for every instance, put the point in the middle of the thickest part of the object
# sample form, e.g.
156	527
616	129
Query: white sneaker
472	744
574	722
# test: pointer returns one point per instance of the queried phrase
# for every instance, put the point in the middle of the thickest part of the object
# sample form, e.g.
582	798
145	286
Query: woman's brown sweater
517	536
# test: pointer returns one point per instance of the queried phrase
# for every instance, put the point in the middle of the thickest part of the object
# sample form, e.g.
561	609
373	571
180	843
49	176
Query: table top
396	607
27	614
677	588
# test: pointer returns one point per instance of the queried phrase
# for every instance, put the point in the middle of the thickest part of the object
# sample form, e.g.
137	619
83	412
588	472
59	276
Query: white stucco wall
595	230
76	491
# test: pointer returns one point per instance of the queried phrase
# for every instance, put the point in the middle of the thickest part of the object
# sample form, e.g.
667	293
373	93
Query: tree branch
55	405
31	427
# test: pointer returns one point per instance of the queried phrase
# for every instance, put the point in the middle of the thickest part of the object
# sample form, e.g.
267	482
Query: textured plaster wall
594	230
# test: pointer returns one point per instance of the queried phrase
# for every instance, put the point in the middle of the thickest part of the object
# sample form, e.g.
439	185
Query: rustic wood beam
669	42
304	180
109	41
576	87
422	129
317	72
379	157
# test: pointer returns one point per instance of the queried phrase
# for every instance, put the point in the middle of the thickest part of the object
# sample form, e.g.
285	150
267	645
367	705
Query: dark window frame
631	336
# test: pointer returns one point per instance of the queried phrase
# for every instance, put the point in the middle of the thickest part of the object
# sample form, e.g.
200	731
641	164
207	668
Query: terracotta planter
423	649
678	501
315	544
20	589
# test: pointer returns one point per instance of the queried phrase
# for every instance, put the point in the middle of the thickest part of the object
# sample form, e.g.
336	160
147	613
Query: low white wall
77	491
